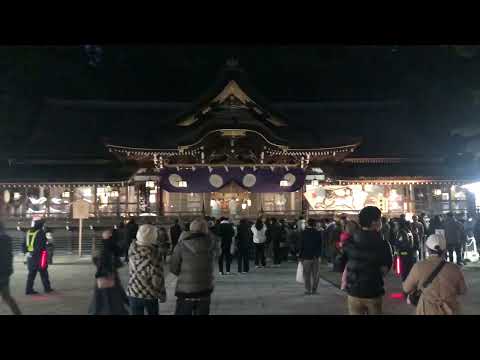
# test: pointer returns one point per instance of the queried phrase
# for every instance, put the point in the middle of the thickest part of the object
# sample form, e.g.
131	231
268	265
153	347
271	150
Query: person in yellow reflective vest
35	248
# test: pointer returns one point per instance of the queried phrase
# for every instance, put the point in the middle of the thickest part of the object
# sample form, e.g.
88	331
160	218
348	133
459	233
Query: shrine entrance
231	201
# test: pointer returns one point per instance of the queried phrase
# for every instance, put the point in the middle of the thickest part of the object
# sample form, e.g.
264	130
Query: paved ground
270	291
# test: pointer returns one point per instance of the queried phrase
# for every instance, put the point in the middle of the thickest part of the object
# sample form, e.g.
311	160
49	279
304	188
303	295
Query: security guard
35	248
404	247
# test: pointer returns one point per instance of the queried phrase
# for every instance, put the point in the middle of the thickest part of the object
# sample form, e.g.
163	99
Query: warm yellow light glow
87	192
150	184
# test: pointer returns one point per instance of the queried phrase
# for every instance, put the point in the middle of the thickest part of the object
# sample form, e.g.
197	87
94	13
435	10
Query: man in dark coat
175	231
368	258
421	219
6	270
404	245
331	236
35	247
454	235
244	241
309	254
285	232
226	234
274	237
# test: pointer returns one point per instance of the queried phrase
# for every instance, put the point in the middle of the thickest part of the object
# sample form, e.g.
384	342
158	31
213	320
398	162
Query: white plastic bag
300	278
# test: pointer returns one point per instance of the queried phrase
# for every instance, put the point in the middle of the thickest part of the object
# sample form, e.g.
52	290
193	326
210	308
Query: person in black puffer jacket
274	237
6	270
310	251
226	234
368	258
244	241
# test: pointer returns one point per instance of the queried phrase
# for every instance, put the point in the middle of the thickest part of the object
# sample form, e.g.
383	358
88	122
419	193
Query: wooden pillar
47	203
429	209
207	199
137	191
25	202
160	205
71	189
70	200
117	189
450	208
292	203
95	202
411	199
305	205
127	201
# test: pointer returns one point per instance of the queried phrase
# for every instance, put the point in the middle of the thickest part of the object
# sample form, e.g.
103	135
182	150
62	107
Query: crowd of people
363	248
417	252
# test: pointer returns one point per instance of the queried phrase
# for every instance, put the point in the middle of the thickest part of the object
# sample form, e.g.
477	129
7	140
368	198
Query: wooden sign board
81	209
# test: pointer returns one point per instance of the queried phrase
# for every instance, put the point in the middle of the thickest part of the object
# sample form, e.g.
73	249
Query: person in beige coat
441	296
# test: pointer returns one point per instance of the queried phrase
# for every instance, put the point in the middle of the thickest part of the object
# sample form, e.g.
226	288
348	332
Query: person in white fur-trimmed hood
146	283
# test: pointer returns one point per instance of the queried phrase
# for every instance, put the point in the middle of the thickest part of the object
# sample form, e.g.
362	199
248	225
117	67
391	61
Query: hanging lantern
249	202
284	183
150	184
6	196
244	206
65	194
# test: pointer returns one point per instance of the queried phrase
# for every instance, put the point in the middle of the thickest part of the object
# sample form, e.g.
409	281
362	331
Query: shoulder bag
414	297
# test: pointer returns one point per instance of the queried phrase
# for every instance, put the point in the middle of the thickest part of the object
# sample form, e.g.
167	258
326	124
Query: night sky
440	83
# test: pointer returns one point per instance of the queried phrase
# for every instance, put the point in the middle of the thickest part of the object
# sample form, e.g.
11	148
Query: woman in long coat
109	297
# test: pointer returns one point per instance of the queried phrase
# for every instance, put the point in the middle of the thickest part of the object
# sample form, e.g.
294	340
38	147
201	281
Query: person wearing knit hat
440	296
146	283
146	235
435	244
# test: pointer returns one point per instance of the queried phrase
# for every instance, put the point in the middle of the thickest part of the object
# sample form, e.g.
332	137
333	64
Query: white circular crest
290	178
249	180
174	179
215	180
